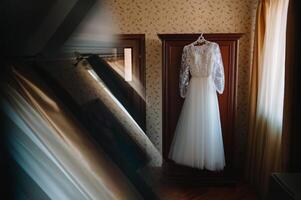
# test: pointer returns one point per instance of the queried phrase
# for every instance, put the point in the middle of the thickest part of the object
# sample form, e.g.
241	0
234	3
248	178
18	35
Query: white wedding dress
198	138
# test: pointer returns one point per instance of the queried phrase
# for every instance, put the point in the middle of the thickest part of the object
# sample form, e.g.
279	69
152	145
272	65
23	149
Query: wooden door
172	46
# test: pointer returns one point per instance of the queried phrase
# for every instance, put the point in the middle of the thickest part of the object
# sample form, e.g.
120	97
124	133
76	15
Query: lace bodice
203	61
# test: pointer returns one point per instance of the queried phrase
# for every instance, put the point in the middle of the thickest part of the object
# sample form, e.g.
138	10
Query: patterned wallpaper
186	16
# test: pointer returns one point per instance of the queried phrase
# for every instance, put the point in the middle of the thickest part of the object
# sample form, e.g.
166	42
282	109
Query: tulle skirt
198	138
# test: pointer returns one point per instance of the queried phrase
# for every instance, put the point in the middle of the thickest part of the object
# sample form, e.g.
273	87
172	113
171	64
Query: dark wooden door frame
233	39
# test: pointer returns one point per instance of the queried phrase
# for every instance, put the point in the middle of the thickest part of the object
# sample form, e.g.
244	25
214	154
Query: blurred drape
54	150
267	93
107	131
120	88
85	87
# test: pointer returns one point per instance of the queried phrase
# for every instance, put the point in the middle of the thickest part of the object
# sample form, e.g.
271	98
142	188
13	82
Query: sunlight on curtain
271	69
267	93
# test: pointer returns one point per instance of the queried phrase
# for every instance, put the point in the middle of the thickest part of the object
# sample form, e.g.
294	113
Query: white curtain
272	64
267	93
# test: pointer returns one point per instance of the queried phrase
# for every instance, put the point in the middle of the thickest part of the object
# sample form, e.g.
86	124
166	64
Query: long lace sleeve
184	74
218	70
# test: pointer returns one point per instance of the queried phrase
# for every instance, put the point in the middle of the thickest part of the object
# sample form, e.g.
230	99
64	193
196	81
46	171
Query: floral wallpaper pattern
186	16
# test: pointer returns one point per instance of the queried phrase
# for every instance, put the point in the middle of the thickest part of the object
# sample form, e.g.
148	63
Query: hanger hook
201	36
